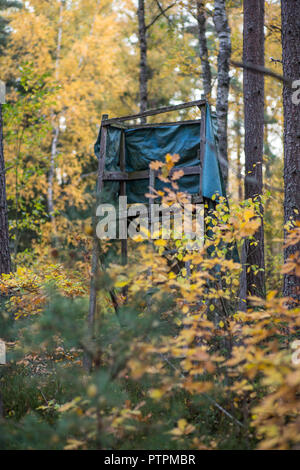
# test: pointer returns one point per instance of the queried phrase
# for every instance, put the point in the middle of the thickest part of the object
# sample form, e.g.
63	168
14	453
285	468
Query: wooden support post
151	184
87	360
101	163
202	148
151	204
123	192
151	200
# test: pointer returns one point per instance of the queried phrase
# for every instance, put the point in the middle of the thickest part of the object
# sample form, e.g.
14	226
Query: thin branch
262	70
6	169
86	175
204	394
162	13
273	27
275	60
46	401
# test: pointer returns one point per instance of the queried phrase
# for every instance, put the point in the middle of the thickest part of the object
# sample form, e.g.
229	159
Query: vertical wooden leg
123	193
88	355
151	203
202	148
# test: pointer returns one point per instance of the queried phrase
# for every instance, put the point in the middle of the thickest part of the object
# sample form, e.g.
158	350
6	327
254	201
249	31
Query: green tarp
145	145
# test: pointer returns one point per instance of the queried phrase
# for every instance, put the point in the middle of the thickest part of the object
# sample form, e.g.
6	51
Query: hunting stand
123	177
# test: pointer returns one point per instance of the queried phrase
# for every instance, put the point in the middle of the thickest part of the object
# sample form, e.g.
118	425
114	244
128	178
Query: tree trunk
203	50
239	153
51	174
143	59
55	137
290	12
5	262
253	52
223	31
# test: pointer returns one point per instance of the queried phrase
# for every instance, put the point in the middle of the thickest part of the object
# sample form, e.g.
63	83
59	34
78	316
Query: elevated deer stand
123	177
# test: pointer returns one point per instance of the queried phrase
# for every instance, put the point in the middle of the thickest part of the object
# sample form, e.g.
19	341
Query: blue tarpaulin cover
148	144
145	145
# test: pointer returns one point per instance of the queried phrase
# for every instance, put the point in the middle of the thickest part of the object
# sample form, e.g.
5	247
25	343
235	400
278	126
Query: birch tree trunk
51	174
290	12
223	31
143	58
203	50
253	52
55	119
5	262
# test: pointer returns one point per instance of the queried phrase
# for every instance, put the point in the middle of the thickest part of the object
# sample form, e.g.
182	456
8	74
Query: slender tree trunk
5	262
290	11
239	153
55	133
242	306
51	174
143	58
203	50
223	31
92	29
239	171
253	52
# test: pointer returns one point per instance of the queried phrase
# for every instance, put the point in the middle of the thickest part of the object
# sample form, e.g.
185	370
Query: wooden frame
145	174
123	191
87	361
153	112
124	176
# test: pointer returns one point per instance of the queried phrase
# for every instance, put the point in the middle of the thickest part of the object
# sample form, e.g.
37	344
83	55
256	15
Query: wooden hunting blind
125	151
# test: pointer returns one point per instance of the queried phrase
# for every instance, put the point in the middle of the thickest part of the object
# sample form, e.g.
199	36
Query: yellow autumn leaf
177	175
182	423
160	242
156	394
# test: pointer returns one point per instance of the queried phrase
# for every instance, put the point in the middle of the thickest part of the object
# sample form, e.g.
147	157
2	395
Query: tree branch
162	13
262	70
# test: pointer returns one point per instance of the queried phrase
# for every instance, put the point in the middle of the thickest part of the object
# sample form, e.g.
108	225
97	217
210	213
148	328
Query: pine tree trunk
239	153
143	59
223	31
203	50
253	52
5	262
290	11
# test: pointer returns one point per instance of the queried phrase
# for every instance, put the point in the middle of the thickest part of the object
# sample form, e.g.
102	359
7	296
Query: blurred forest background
200	361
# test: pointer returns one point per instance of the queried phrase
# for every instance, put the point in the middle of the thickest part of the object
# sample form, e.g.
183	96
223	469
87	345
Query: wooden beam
196	199
118	125
87	360
145	174
123	192
151	184
115	176
202	148
160	124
101	163
153	112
